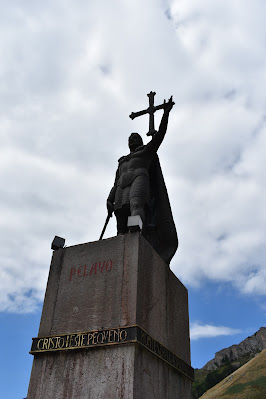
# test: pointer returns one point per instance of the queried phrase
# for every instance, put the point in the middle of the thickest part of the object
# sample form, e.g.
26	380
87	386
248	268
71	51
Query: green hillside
226	361
248	382
205	379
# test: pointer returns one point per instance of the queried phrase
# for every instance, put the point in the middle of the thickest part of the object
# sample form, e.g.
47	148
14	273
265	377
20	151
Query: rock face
249	347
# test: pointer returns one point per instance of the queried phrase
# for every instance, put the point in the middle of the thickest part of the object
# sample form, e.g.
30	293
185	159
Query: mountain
249	381
226	361
250	346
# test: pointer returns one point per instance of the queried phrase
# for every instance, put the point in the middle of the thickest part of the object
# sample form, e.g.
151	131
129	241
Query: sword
104	227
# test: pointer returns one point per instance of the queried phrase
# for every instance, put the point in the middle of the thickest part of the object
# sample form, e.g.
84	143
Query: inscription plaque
113	336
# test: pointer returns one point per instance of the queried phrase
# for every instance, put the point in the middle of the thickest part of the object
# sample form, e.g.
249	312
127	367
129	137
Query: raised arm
157	139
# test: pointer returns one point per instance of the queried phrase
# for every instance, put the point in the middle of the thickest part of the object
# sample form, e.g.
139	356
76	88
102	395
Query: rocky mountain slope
249	381
227	361
250	346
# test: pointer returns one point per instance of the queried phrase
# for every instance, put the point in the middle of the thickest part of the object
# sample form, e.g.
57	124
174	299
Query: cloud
223	224
198	331
71	73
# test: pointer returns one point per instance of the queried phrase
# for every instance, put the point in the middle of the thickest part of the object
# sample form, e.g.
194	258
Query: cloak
159	227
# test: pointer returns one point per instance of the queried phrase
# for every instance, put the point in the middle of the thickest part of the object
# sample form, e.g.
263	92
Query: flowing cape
159	228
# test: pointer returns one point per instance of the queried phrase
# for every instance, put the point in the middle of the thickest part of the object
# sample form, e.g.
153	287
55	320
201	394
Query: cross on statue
150	110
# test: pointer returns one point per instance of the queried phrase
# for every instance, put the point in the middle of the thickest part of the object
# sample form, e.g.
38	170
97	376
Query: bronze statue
139	187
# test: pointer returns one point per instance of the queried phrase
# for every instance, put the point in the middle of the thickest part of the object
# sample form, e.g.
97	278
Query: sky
71	72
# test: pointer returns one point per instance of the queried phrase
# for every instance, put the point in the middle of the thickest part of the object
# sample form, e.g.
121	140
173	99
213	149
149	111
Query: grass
248	382
205	379
237	388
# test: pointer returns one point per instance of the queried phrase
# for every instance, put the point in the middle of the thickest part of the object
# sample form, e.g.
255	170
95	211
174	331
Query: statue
139	187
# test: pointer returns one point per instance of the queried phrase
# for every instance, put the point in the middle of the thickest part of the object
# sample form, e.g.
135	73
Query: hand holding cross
167	106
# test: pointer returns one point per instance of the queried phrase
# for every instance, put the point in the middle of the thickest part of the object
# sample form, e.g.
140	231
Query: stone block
109	284
134	223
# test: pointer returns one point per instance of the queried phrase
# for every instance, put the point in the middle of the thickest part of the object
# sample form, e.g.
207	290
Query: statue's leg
137	207
121	220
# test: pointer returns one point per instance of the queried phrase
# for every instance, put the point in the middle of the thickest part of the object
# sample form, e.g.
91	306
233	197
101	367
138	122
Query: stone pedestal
114	325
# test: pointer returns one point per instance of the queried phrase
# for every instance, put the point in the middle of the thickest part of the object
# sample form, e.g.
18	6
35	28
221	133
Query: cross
150	110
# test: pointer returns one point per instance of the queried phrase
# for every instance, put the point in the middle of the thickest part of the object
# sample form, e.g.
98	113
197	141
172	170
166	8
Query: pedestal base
101	289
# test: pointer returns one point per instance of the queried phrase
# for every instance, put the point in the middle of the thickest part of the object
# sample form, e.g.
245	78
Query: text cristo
80	340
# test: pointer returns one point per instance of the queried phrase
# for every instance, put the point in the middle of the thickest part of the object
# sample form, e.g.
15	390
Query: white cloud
71	73
198	331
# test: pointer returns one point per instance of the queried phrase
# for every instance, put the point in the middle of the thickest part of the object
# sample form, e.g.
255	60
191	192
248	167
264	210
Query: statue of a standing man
139	189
